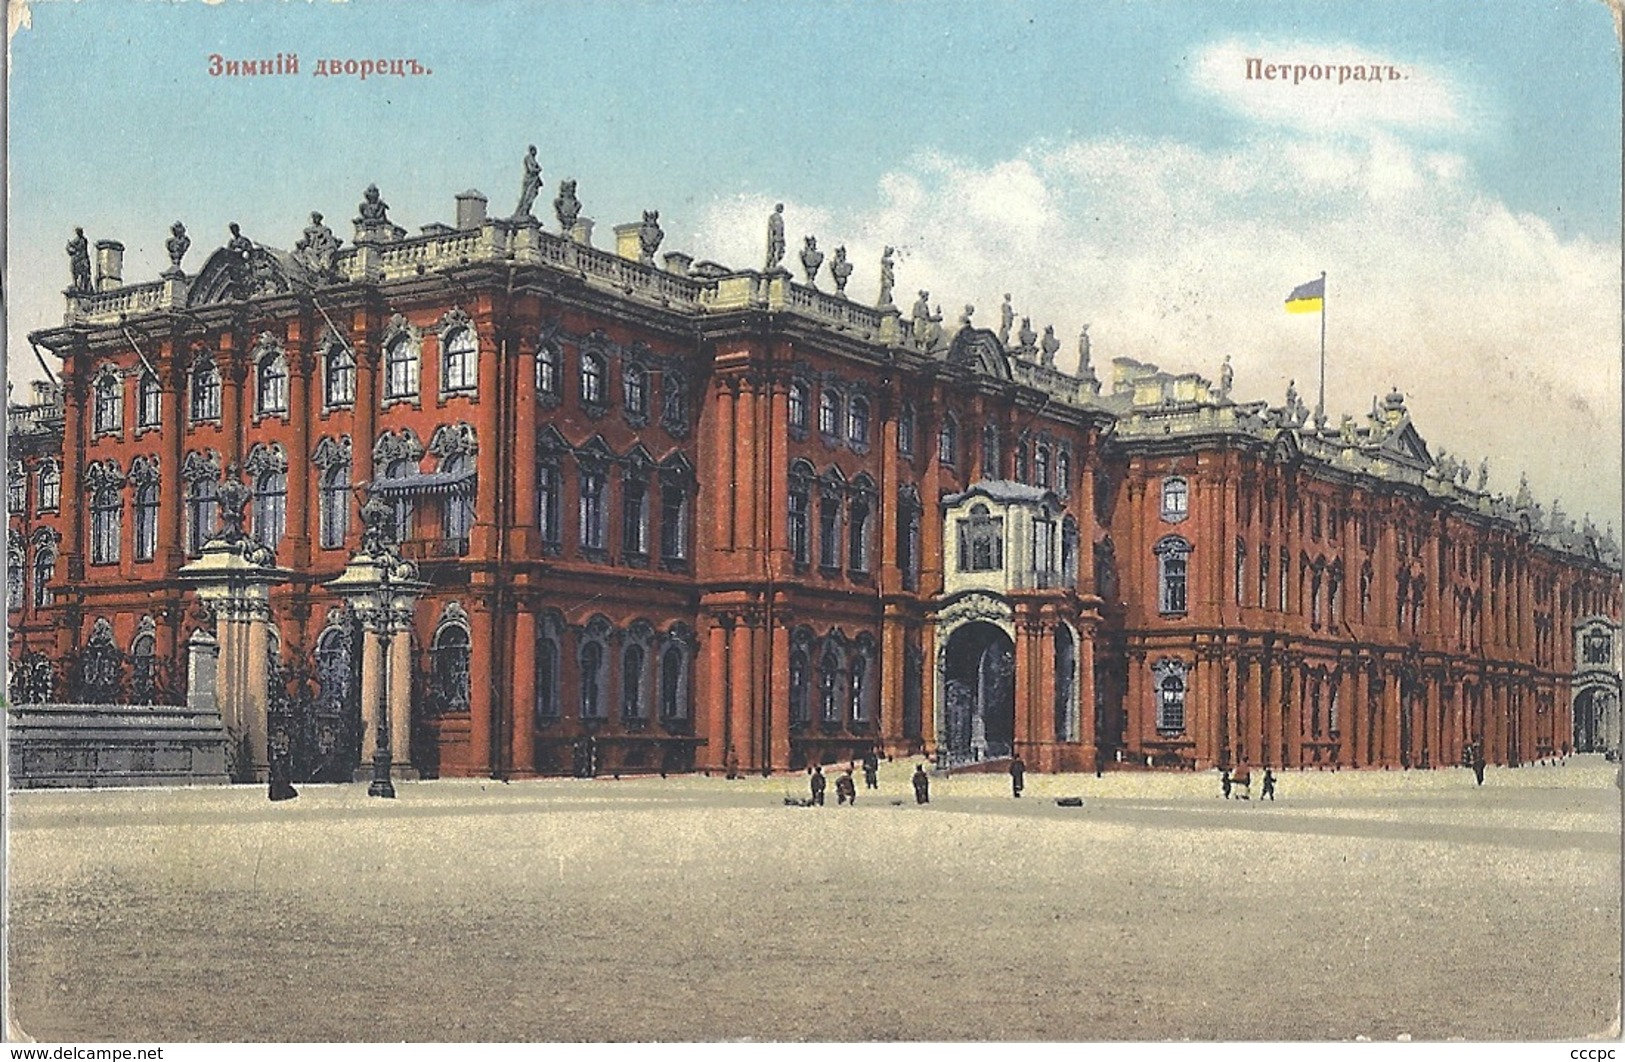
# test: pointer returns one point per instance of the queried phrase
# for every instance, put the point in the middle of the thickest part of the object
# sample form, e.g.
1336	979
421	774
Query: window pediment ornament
595	451
638	462
971	607
396	446
397	327
46	537
201	465
101	633
264	459
549	441
454	318
144	471
454	440
330	452
100	475
265	344
453	615
14	542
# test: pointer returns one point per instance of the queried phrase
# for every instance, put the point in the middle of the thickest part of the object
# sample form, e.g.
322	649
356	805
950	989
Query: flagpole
1320	407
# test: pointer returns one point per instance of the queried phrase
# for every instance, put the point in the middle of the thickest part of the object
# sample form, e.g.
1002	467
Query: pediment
980	351
271	272
1405	446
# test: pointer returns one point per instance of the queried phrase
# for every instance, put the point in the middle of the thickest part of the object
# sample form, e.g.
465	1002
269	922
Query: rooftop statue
920	314
1029	338
888	278
1525	497
649	236
1345	430
812	260
933	330
840	269
1483	474
1007	317
964	318
775	238
566	207
1050	345
240	263
176	245
1227	377
373	224
79	264
317	248
529	185
373	207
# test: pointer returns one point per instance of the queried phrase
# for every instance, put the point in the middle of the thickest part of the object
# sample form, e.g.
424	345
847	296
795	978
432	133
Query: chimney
470	210
677	262
581	231
109	265
627	243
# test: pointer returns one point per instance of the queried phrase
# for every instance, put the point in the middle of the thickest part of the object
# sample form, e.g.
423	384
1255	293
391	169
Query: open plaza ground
1374	904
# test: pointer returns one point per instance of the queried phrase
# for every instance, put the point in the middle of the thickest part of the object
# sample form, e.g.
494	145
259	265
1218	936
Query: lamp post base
381	785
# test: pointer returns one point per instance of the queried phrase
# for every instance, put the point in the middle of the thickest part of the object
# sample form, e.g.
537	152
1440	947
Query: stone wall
92	746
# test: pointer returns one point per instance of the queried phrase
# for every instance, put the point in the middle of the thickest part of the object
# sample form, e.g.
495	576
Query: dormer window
1175	499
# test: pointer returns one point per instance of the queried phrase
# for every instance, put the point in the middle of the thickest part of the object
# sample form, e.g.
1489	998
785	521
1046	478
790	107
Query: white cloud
1505	337
1423	98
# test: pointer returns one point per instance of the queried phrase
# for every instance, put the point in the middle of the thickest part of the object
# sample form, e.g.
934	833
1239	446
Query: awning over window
426	483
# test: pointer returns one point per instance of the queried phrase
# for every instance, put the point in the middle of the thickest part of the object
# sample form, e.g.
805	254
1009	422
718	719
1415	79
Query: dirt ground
1359	904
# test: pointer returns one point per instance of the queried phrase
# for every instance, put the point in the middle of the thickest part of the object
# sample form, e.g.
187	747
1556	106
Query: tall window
205	392
547	677
674	406
16	488
1171	703
401	368
799	545
109	398
829	412
673	683
857	547
981	541
800	706
948	440
402	468
634	516
44	572
106	513
857	421
1069	550
50	486
592	509
457	518
547	501
1063	473
339	376
1021	462
1283	576
146	520
592	680
460	368
1172	553
450	661
633	707
1043	545
270	508
829	532
16	593
1041	466
858	689
991	458
273	384
1263	576
673	521
635	389
335	511
149	406
547	369
592	378
905	430
798	406
829	689
908	538
1175	499
201	512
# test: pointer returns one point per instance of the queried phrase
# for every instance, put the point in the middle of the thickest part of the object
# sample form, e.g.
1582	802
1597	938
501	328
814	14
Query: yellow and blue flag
1308	298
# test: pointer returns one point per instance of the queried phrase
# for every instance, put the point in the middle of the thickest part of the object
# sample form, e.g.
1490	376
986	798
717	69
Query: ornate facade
678	516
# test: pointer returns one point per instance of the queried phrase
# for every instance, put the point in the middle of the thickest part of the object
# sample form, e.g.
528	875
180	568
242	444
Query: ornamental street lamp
382	589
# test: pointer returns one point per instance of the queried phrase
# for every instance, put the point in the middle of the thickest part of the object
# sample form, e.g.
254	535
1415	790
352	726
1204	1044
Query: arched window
547	676
1175	499
592	680
948	440
1172	553
106	519
592	378
857	421
450	661
1069	550
143	672
1021	463
634	514
800	487
1168	683
457	516
1263	576
908	537
16	488
460	360
401	368
858	689
16	592
1063	473
50	486
674	682
146	519
1284	577
800	706
201	513
829	528
592	508
673	519
1041	466
402	468
44	572
798	406
633	706
981	541
108	415
905	430
992	458
635	389
857	547
339	376
829	412
1241	568
205	392
1066	673
547	369
272	394
149	405
335	509
829	688
270	508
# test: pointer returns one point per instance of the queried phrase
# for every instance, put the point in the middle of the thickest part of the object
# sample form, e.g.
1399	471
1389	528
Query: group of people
846	790
1242	780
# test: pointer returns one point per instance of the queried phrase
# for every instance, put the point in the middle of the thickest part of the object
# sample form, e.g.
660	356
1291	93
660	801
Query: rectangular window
547	503
673	516
146	523
105	530
634	517
1043	546
829	533
149	406
592	510
1284	575
799	547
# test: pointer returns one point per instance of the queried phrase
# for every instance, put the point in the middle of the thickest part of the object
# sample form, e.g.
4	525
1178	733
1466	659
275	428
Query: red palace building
676	516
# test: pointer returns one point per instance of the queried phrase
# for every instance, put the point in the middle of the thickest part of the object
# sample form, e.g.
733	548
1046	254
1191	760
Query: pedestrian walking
1224	781
818	783
1478	763
871	769
922	785
846	790
1018	775
1269	786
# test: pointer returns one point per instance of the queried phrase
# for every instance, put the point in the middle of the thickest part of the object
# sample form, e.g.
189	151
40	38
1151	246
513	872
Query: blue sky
1105	162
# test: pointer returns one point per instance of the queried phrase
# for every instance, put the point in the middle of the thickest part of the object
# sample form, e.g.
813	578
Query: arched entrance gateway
979	694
